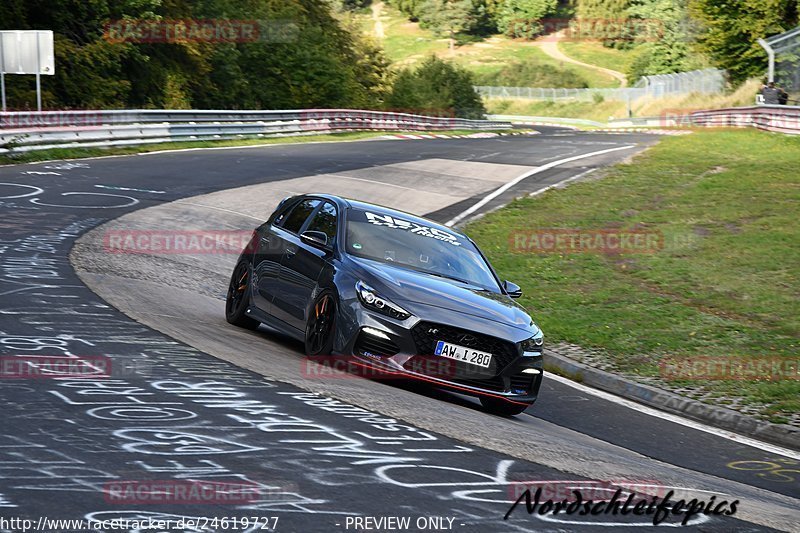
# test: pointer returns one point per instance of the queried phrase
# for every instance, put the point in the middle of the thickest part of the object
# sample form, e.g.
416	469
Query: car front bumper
389	348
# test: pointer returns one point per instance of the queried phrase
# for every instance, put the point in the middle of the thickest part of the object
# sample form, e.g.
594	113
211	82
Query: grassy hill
597	54
406	43
498	60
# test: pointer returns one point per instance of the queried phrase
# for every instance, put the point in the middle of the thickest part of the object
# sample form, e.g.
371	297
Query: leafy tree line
302	57
478	17
684	34
694	32
730	30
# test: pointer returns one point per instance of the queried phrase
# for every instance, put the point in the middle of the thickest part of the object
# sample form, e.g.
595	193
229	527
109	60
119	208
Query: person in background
770	94
783	96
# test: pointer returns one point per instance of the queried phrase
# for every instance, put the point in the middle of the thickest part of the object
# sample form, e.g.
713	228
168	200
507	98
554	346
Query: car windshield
401	242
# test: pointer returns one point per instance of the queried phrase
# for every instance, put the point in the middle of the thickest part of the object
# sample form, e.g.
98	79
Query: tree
448	17
731	30
665	37
601	9
303	57
412	8
436	86
90	72
604	20
522	18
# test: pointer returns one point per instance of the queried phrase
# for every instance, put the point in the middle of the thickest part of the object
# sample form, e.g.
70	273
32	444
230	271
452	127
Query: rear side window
325	221
280	215
295	219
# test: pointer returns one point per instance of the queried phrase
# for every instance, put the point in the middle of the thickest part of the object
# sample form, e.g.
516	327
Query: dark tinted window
405	243
325	221
281	215
294	221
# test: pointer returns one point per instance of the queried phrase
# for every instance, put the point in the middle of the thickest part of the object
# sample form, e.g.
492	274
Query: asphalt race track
193	398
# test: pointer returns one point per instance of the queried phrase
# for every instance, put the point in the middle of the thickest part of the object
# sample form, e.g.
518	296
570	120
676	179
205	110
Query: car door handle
291	251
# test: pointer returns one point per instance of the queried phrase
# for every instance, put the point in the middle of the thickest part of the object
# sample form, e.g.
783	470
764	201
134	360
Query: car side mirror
317	239
512	289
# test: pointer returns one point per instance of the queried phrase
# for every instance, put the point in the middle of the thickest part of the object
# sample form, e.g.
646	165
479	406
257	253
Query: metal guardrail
25	131
775	118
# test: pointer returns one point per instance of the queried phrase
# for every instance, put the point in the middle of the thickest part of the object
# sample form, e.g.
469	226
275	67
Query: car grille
375	345
521	382
426	334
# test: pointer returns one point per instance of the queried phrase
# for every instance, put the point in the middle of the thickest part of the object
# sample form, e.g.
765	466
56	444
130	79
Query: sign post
2	75
38	75
26	52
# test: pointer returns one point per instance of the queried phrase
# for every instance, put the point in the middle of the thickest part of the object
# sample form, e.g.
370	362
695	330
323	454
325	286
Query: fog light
531	371
375	333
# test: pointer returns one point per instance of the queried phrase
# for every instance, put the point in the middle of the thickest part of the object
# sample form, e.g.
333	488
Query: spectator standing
771	94
783	96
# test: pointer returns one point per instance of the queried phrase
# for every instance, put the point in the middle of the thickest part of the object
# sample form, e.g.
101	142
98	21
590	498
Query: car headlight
370	299
534	344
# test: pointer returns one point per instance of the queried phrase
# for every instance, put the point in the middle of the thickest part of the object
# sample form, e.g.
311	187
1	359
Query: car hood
409	288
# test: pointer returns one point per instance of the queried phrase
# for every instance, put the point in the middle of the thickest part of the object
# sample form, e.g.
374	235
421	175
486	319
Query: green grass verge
598	111
724	285
78	152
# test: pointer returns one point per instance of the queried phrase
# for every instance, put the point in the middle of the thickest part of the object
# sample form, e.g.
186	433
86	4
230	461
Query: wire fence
696	81
787	61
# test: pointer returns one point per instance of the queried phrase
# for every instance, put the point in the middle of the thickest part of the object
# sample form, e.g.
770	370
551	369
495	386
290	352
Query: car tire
502	407
238	298
321	324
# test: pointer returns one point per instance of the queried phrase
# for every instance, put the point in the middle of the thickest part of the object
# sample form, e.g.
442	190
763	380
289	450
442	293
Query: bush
436	86
532	74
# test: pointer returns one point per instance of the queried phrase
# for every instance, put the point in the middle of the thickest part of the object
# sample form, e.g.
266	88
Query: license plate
463	354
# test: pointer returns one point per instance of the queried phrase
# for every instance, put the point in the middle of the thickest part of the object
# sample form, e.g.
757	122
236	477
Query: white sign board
27	52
